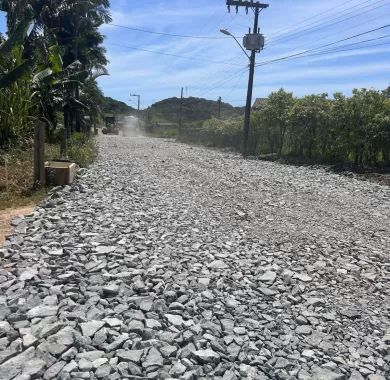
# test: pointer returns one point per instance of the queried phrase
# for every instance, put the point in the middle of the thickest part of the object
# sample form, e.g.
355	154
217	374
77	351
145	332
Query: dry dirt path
170	261
6	216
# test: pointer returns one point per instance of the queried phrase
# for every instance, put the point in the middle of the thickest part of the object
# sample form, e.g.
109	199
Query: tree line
50	59
317	128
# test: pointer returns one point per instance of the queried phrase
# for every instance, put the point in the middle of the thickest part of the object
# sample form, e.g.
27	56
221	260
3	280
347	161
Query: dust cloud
132	127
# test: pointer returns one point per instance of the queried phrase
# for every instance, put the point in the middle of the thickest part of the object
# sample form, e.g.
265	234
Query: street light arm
235	39
225	31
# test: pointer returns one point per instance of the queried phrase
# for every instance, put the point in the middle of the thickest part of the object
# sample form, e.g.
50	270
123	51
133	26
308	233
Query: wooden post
39	155
6	175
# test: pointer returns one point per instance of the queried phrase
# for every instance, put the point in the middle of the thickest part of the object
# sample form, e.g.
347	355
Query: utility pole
219	107
181	111
139	103
254	42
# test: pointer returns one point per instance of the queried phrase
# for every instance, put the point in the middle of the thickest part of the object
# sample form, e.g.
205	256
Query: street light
139	100
227	33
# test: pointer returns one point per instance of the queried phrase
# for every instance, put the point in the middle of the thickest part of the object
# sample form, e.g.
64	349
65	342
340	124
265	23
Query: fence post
39	154
6	175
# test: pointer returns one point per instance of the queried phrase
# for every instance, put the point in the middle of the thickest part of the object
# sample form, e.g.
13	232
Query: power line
329	51
321	47
296	27
169	34
220	82
341	49
324	24
367	21
175	55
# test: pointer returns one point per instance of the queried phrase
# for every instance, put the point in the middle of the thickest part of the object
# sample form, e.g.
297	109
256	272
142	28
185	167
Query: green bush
82	149
222	133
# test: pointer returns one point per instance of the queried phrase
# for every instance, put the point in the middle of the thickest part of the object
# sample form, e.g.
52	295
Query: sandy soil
6	217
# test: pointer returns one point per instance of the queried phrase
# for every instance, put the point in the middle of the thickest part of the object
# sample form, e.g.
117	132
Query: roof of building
259	102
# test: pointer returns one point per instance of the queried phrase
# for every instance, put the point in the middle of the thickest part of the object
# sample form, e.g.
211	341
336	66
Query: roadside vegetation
337	130
49	62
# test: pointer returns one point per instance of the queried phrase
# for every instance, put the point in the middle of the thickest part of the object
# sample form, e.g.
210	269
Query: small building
259	102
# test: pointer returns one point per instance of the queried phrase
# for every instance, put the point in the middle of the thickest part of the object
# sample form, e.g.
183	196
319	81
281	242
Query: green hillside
194	109
116	107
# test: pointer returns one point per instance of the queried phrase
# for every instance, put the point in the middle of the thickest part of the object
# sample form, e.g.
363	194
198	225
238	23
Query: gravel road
170	261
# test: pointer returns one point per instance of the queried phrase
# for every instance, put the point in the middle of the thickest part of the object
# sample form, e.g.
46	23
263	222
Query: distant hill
194	109
116	107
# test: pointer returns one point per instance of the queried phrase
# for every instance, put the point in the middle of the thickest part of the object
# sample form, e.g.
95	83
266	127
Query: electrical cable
327	36
342	50
174	55
220	83
323	46
169	34
297	26
279	40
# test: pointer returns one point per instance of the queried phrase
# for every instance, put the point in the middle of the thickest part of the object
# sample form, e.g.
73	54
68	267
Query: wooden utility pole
181	111
219	107
248	107
138	108
39	154
257	7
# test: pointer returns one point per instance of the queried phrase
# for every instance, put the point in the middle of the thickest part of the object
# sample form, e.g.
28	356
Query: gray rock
375	376
175	320
206	356
28	274
153	358
90	328
103	371
177	370
130	356
99	362
54	370
90	355
304	277
111	290
42	311
218	264
29	340
85	365
268	277
325	374
168	351
136	327
16	365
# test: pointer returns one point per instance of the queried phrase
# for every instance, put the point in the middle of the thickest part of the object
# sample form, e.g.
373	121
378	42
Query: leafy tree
309	121
275	118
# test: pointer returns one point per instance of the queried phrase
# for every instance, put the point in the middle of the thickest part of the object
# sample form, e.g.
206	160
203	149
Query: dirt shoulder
5	220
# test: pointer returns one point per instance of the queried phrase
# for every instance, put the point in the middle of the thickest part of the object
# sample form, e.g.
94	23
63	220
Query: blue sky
290	26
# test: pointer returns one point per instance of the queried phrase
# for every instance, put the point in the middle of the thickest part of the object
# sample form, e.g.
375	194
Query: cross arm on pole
240	3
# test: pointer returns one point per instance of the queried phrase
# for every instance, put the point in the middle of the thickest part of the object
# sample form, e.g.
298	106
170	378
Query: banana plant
18	39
